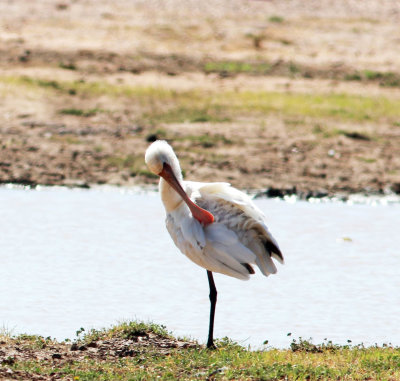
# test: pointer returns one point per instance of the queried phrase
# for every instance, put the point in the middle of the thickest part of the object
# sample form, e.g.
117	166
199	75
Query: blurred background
295	96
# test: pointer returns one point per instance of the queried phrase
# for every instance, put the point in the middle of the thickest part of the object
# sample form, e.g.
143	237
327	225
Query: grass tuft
276	19
80	112
190	114
385	79
67	66
125	330
236	67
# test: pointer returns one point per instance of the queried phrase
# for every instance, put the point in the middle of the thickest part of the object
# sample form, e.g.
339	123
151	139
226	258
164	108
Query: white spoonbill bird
215	225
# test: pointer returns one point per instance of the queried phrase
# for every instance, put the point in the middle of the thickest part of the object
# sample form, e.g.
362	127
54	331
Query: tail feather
274	250
248	268
266	265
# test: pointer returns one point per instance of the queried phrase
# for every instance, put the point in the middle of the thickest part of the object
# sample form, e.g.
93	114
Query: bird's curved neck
173	194
170	198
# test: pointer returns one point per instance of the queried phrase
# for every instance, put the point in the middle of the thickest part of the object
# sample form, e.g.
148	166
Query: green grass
125	330
236	67
224	106
80	112
385	79
161	105
304	360
367	160
336	106
67	66
276	19
33	341
353	77
206	140
90	89
191	111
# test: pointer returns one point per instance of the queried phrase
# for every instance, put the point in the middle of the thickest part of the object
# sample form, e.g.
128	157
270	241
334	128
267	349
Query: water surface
91	258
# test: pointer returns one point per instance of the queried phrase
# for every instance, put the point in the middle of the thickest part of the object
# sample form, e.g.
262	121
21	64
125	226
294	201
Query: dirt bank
50	356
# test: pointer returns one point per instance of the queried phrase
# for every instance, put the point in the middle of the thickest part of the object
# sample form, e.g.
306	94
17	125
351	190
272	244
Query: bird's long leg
213	301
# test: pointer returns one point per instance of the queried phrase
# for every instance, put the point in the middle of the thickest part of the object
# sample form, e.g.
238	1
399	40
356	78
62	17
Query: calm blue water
92	258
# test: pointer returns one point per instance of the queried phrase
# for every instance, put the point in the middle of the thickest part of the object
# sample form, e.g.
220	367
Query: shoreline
284	194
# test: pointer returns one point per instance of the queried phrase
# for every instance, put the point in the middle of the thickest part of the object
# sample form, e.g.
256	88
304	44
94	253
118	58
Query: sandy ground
56	129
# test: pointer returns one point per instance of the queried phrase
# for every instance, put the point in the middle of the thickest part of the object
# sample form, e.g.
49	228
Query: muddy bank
55	154
62	153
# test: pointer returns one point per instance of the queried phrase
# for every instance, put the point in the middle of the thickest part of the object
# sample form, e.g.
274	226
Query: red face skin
200	214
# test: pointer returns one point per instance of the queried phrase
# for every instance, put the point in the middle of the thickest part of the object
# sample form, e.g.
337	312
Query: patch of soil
56	355
100	62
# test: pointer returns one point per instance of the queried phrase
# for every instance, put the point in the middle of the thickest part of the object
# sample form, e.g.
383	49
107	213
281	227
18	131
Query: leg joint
213	296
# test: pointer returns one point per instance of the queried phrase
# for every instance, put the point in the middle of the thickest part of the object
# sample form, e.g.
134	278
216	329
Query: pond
74	258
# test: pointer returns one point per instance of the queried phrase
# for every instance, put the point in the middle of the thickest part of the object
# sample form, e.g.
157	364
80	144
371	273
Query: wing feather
226	240
223	263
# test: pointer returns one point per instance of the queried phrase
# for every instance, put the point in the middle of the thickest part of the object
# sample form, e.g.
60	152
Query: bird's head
159	155
162	161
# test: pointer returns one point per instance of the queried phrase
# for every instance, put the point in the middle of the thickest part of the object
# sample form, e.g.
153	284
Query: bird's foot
211	345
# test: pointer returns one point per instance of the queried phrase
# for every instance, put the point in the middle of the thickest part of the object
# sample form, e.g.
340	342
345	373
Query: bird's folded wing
242	201
250	225
225	251
219	236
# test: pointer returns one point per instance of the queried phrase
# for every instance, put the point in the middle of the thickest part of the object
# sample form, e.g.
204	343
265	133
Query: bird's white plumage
161	152
238	236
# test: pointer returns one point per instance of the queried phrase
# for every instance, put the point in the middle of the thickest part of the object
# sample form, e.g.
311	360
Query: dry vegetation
264	94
